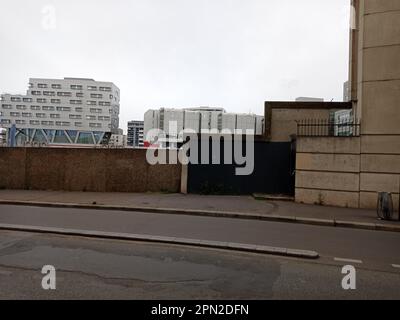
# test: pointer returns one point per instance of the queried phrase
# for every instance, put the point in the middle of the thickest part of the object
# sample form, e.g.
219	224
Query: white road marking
397	266
348	260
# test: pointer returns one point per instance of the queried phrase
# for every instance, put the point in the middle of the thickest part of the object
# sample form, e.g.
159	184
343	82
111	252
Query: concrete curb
305	254
257	196
217	214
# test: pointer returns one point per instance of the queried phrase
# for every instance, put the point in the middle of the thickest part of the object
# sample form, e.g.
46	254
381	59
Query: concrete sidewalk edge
217	214
260	249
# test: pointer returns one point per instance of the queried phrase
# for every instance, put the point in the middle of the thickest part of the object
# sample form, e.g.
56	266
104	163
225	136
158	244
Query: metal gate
274	172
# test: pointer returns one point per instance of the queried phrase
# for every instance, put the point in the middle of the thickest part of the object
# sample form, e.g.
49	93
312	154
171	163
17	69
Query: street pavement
373	250
238	204
111	269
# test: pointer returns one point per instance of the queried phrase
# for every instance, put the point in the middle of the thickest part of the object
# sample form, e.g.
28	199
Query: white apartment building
3	136
199	120
118	140
135	134
62	112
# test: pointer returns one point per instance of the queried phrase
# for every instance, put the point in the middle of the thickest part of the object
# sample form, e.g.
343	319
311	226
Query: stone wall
346	172
328	171
97	170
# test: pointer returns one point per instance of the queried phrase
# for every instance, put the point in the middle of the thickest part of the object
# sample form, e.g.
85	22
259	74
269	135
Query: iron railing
328	128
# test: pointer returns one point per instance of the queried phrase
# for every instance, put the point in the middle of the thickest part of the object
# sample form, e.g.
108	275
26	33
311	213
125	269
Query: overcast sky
234	54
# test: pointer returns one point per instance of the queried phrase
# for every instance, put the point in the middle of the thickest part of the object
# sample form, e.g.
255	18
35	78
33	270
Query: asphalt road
376	250
108	269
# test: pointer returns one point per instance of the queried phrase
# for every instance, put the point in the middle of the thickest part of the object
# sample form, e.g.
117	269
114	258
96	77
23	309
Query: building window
95	110
62	123
76	87
56	86
92	88
15	99
27	99
6	106
14	114
63	109
36	93
107	89
20	121
103	118
91	103
79	109
49	93
79	95
48	108
64	94
35	108
21	107
78	124
75	101
47	123
40	115
5	121
75	116
41	100
27	114
90	117
104	103
96	96
42	85
55	116
56	101
95	125
34	122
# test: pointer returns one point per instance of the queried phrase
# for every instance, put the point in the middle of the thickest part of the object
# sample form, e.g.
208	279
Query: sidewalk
245	207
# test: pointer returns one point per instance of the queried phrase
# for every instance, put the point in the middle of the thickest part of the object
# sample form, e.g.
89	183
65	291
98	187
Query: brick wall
94	170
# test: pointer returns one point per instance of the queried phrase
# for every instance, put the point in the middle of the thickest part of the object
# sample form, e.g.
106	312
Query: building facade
175	122
309	99
3	136
351	171
346	91
69	111
118	140
135	134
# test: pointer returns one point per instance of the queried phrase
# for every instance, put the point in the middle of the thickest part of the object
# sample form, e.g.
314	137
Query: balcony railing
328	128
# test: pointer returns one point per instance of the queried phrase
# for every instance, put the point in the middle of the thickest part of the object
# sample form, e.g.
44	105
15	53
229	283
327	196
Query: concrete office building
69	111
118	140
202	119
135	134
309	99
346	91
3	136
351	171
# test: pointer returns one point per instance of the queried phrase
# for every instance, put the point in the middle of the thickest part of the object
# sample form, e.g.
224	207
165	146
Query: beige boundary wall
346	172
